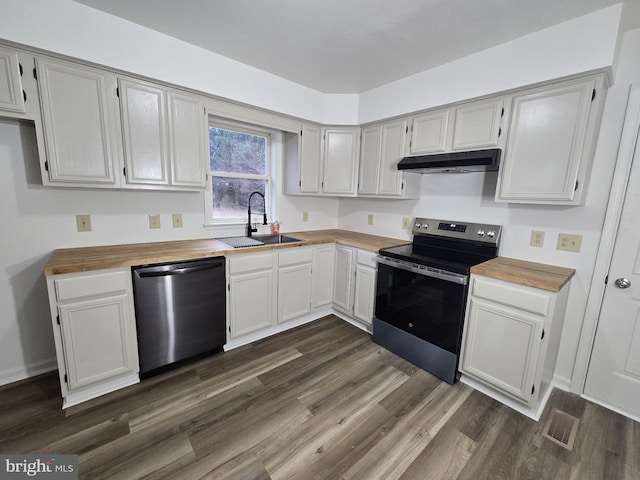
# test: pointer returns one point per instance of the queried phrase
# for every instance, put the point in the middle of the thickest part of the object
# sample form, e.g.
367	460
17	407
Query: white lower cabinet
270	289
511	337
252	292
94	331
294	283
355	283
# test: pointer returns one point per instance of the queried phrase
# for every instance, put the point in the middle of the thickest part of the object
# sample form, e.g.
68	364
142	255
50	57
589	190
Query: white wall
582	44
470	197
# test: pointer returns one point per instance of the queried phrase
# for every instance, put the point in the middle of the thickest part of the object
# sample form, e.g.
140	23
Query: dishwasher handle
163	271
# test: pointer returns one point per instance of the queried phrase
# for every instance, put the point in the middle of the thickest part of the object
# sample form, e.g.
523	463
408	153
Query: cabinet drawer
92	284
367	258
294	256
250	263
518	296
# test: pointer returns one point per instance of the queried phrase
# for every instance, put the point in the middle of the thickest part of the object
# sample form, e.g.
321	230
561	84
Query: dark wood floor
318	402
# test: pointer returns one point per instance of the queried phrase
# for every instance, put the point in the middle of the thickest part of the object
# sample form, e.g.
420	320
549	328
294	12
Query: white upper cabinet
11	93
340	152
477	125
470	126
429	133
382	147
188	140
81	131
309	159
550	144
164	136
144	132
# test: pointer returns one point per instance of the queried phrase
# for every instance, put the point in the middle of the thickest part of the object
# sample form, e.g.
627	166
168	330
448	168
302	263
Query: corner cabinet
322	161
81	126
511	337
94	331
551	142
381	148
354	284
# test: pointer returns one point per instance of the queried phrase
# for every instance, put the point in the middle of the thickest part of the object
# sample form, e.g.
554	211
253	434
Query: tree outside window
239	162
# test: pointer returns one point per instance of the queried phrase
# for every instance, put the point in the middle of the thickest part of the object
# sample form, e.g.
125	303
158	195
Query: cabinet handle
24	95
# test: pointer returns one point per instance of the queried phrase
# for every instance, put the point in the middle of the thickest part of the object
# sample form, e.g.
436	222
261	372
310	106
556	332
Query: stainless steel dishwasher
180	311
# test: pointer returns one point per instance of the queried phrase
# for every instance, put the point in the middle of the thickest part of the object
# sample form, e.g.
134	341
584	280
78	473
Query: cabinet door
391	152
429	133
545	145
477	125
144	132
310	160
343	280
294	291
81	128
98	340
502	347
341	147
251	302
322	277
11	94
187	140
364	295
369	161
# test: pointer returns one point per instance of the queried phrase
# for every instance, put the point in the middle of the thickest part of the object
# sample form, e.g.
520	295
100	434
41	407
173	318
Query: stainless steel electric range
421	291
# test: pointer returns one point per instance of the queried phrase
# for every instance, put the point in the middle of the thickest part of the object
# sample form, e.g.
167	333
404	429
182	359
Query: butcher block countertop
531	274
84	259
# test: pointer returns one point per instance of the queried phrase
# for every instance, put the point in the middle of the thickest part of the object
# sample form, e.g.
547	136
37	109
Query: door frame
624	160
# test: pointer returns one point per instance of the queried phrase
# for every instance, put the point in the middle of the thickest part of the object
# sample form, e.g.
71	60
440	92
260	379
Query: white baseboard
25	371
562	383
611	407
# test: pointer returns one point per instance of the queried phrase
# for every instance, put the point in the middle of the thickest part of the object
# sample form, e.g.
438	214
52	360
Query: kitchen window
240	163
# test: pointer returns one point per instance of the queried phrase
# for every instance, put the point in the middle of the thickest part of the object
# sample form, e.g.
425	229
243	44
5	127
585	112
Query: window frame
226	124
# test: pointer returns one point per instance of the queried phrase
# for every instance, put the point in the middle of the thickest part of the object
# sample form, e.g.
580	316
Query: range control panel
463	230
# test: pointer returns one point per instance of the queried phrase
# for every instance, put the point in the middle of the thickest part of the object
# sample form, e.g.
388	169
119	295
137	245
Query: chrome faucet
250	229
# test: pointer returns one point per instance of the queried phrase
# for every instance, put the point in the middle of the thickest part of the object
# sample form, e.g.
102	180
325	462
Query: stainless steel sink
257	240
273	239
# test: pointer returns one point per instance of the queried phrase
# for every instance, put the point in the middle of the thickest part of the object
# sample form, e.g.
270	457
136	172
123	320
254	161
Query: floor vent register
561	428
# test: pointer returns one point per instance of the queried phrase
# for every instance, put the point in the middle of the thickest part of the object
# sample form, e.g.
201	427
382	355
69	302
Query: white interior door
613	378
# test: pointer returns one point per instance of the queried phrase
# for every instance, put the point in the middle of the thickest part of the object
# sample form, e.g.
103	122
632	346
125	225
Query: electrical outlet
537	238
83	222
154	221
305	216
177	220
406	223
370	219
569	242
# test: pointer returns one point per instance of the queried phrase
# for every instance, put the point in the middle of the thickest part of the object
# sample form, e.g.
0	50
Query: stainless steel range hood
454	162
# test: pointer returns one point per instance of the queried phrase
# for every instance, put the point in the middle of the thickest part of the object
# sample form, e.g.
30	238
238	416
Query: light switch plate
305	216
569	242
406	223
154	221
177	220
370	219
83	222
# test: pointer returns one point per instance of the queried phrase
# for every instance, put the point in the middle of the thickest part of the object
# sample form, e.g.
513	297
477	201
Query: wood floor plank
320	401
410	434
443	458
288	458
185	400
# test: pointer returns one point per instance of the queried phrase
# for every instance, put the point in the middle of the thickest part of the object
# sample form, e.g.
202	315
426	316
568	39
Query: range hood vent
454	162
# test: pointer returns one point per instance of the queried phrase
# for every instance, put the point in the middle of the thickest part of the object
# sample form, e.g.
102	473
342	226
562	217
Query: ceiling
346	46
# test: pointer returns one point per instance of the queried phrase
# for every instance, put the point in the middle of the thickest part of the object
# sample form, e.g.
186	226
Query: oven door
425	303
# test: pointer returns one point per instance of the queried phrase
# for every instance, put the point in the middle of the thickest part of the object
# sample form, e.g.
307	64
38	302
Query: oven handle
426	271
